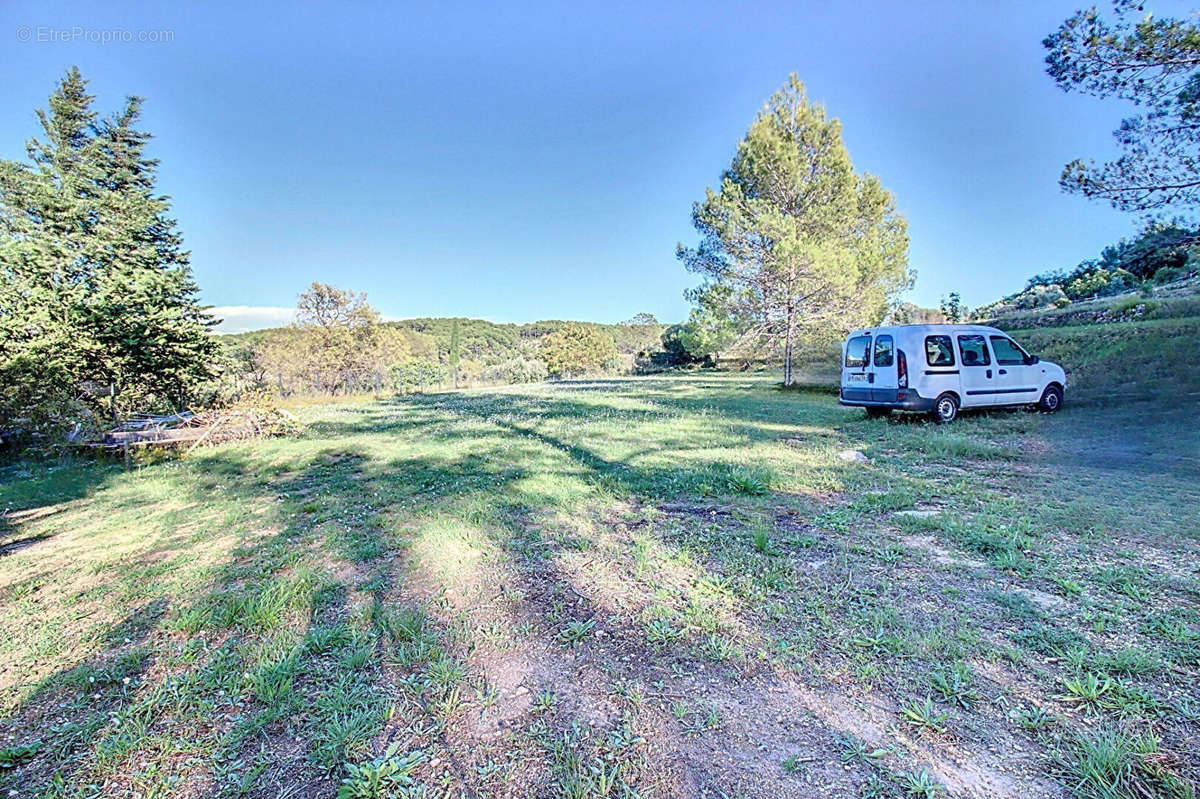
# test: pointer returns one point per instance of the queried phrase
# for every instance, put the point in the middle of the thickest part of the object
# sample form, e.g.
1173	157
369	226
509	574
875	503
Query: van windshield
857	349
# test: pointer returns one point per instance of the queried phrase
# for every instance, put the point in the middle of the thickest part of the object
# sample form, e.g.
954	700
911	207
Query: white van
940	368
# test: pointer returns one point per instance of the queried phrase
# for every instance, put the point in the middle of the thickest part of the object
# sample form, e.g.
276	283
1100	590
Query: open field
632	587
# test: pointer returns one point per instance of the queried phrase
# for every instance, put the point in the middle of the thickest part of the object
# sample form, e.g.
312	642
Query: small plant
1090	689
445	672
718	647
1034	718
1118	764
404	625
924	715
545	701
486	695
576	631
450	703
920	784
762	540
13	756
793	764
748	480
955	685
875	788
382	777
855	749
1067	586
661	632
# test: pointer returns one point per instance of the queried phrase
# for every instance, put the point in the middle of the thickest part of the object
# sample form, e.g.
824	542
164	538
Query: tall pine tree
148	334
97	304
794	246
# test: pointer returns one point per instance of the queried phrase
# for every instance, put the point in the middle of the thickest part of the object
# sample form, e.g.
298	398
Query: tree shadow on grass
39	489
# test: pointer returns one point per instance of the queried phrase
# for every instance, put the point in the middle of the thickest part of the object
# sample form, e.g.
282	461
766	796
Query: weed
955	685
919	784
750	480
576	631
924	715
1033	718
762	541
389	775
544	702
13	756
1109	764
1067	586
794	764
661	632
1088	689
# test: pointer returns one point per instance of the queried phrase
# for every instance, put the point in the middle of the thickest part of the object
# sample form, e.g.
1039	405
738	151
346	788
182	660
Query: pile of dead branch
191	429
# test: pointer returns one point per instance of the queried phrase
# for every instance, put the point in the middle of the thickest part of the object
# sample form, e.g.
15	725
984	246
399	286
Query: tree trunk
787	345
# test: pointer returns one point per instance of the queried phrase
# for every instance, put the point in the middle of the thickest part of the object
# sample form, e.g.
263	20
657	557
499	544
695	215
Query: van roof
933	327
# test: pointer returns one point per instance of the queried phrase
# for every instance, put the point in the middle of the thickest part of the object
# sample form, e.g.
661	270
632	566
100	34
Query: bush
576	349
516	370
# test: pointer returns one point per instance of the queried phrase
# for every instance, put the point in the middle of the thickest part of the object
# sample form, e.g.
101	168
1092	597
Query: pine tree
795	245
48	260
97	297
148	334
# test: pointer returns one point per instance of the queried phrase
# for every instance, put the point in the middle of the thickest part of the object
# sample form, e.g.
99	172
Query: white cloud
242	318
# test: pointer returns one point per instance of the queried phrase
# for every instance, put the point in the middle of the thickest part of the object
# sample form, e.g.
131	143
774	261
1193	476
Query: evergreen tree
1154	64
795	245
148	333
48	258
97	302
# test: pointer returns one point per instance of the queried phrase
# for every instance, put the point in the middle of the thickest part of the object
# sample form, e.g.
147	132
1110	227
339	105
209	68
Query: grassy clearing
642	587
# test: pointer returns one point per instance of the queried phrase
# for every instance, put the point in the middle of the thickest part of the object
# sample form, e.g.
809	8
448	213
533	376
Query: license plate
856	378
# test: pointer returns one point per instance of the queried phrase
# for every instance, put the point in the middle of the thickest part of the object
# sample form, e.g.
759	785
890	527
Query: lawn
650	587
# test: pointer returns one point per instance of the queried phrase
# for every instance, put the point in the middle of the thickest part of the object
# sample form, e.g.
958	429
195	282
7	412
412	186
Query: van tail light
901	369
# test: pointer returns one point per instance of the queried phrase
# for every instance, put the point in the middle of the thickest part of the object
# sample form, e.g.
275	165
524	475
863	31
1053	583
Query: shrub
576	349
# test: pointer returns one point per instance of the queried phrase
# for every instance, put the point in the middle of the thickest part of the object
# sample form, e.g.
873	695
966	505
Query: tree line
339	344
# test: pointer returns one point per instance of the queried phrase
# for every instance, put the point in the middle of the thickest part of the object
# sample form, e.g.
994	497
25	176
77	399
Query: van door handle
1003	371
989	374
871	377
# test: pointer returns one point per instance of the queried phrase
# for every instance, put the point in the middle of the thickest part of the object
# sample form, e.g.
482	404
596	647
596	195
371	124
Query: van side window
1008	353
974	351
883	351
938	351
858	351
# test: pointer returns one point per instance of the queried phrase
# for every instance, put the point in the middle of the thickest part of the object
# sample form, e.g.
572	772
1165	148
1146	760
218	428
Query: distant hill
1129	347
497	341
484	339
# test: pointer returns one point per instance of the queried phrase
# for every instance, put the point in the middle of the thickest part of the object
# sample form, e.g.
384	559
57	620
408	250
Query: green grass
590	589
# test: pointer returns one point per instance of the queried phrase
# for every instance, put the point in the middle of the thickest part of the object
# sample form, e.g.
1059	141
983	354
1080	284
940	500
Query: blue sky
526	161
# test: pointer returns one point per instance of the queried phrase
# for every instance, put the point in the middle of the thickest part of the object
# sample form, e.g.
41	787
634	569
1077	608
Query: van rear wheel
1052	399
878	413
945	408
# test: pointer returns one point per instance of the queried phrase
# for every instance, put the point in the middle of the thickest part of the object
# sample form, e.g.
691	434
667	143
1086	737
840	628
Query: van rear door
856	369
883	369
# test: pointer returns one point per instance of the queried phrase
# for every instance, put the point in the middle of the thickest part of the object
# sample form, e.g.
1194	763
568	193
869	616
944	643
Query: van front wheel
1052	399
945	408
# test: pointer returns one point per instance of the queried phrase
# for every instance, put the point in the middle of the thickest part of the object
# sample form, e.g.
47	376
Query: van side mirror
1031	360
